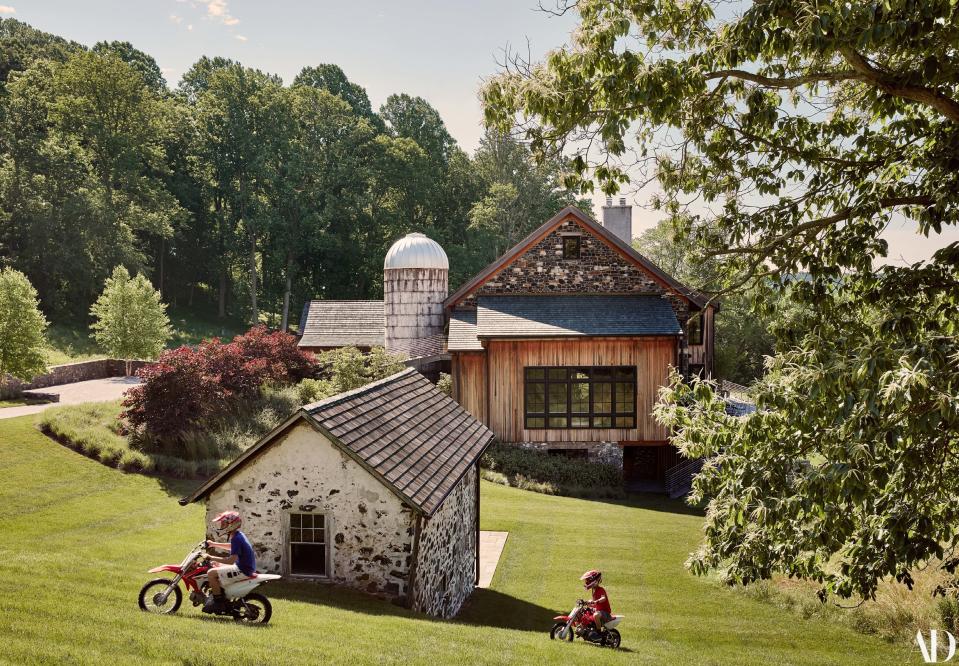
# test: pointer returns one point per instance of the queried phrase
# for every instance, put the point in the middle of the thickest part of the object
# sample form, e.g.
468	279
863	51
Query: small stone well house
376	489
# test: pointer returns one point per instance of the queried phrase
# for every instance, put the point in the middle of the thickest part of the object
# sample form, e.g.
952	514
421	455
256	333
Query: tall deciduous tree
240	114
21	327
331	78
130	320
81	175
805	128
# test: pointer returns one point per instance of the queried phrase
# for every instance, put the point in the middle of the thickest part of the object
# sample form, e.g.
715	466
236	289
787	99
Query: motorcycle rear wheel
150	592
612	639
253	609
554	633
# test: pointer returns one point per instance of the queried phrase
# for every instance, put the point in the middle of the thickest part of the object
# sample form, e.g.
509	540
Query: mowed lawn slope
76	539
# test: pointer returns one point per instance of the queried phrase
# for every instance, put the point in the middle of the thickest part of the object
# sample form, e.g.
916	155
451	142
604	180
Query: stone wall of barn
446	555
369	530
599	270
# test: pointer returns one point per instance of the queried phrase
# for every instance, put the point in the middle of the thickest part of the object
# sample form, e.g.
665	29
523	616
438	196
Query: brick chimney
619	219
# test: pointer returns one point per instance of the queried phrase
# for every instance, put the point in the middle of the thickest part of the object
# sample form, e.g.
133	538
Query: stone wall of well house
369	530
446	555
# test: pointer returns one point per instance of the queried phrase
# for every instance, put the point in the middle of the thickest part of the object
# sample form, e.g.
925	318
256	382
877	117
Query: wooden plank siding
505	360
469	382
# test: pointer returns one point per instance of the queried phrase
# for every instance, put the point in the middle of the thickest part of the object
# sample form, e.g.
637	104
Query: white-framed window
308	539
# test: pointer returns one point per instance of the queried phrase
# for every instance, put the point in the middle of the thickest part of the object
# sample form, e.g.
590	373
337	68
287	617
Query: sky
440	50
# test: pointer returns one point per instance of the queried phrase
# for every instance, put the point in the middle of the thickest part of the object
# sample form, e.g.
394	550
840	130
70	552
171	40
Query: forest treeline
236	194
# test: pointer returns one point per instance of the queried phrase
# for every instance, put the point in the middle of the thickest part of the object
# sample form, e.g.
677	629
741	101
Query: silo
415	283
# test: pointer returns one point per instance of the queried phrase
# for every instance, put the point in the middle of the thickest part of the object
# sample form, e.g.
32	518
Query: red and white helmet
227	522
591	578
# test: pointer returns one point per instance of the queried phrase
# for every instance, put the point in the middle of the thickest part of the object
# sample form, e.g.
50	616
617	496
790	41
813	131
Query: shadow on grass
178	488
485	607
650	502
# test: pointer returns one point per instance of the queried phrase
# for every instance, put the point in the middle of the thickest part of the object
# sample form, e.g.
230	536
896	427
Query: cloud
190	27
176	19
242	38
6	9
218	10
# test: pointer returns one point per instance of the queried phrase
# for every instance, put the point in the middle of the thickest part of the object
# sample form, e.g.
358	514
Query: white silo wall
413	304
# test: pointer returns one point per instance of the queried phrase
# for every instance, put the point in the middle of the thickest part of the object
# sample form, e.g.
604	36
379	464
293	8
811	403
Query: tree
130	318
332	79
241	114
81	175
744	333
22	344
147	67
521	193
803	129
22	46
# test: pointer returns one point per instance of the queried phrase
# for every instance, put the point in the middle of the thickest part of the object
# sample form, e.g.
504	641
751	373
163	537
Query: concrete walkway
490	548
95	390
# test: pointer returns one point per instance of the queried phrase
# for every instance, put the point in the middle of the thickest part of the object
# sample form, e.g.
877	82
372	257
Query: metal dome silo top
416	250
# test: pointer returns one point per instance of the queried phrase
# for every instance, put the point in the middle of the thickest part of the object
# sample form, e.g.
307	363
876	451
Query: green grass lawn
78	537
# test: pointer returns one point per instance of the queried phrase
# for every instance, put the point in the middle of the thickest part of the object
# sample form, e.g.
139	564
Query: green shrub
948	611
538	471
312	390
445	384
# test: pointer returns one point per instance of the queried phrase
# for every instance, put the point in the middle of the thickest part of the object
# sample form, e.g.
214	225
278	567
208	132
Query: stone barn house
561	344
376	489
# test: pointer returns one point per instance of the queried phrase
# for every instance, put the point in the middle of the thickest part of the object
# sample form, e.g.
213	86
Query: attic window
571	247
308	544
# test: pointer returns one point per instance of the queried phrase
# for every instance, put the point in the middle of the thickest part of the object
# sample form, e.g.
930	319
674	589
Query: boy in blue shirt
238	565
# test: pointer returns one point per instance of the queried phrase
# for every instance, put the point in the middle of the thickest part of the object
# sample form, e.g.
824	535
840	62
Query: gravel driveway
95	390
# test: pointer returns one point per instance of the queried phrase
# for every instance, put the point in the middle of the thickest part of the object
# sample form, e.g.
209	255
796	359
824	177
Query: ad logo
930	650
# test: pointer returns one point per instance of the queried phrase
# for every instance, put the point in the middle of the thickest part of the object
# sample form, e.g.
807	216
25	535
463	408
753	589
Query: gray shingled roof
463	331
417	440
341	323
433	345
548	316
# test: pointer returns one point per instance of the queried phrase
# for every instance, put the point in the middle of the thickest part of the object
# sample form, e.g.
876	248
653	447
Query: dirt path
95	390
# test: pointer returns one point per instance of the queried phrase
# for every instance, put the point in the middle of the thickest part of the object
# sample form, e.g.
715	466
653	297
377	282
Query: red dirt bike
579	622
163	595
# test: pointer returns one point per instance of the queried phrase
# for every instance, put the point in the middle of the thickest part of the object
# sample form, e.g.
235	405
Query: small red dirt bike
163	595
580	623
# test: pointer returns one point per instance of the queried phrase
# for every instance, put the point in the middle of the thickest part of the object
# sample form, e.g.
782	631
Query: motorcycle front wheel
253	609
150	597
612	639
555	634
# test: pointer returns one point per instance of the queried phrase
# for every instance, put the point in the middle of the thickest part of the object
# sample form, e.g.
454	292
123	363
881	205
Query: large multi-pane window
576	397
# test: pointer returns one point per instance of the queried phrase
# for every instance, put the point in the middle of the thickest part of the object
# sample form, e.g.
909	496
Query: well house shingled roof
406	432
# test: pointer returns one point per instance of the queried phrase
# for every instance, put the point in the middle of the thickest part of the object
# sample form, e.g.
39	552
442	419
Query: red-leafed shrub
188	387
178	393
286	362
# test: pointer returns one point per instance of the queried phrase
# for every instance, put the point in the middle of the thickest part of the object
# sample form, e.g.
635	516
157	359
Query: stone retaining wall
70	373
